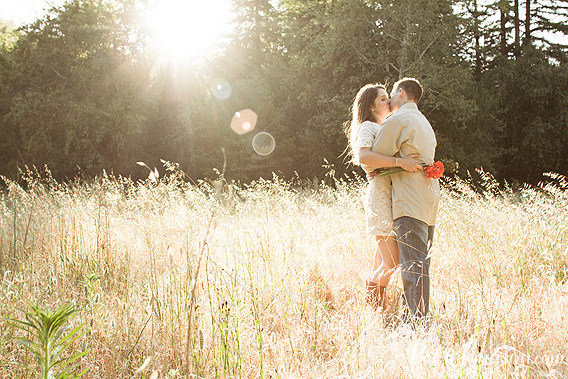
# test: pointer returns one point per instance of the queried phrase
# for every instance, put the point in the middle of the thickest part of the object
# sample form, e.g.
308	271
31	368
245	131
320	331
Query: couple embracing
400	209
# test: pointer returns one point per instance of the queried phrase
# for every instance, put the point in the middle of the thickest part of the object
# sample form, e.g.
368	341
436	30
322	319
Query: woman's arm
369	158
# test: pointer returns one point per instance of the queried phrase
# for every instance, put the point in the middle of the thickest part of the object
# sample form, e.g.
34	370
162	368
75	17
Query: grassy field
214	280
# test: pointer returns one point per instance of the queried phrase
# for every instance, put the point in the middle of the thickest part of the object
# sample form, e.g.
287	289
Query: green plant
47	339
92	287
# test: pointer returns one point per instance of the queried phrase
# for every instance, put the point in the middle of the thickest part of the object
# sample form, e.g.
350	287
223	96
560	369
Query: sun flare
184	28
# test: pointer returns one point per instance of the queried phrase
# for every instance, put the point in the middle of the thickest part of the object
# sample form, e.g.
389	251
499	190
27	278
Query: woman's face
380	107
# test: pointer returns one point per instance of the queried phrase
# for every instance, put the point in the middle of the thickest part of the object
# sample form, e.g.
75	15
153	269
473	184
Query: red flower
432	171
435	170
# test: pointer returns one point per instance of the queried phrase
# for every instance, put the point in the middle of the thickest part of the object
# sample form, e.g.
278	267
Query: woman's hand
371	175
409	163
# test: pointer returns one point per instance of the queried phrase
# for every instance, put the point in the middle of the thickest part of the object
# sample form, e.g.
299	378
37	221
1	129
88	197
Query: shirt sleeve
366	135
388	139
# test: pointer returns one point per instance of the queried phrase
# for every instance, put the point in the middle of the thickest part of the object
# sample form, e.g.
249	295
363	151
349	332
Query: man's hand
410	163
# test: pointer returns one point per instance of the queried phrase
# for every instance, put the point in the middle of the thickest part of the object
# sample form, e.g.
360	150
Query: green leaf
49	337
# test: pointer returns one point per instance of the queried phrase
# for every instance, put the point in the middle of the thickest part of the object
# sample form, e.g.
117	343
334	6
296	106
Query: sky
25	11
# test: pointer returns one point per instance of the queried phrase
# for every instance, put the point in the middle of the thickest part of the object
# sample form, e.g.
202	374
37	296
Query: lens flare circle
221	89
244	121
263	143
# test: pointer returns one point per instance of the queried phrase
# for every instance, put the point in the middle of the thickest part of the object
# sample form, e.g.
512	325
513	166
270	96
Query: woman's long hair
361	111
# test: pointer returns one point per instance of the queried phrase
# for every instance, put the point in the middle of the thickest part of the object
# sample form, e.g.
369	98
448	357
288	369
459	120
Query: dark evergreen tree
79	87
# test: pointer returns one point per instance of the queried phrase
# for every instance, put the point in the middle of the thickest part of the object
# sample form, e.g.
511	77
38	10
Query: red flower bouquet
432	171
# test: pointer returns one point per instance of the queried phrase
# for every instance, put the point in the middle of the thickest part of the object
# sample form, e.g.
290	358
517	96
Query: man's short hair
412	87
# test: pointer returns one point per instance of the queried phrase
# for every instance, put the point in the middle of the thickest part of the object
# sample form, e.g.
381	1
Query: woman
370	109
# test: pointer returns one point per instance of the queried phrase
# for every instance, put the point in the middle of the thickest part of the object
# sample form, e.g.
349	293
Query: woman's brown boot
373	294
382	299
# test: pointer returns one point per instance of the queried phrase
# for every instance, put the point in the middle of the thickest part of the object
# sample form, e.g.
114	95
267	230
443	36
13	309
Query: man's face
395	99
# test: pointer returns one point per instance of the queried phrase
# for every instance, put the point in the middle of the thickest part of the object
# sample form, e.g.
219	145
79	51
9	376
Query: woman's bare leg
377	263
385	264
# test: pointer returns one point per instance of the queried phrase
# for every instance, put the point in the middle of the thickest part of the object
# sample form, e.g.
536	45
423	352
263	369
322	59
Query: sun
186	28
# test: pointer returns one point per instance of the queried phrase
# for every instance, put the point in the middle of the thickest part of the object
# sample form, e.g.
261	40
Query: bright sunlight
185	28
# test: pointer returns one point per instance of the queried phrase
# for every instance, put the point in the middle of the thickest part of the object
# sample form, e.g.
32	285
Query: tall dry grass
266	280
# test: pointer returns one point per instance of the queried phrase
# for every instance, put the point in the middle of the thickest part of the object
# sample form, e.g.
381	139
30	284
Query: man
414	197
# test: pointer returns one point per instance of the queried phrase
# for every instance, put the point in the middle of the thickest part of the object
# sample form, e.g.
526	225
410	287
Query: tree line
82	91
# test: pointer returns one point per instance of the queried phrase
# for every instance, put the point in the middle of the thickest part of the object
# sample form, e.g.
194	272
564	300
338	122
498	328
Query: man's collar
409	105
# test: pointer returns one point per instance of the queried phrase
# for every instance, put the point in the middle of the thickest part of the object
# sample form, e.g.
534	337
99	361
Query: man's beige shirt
404	133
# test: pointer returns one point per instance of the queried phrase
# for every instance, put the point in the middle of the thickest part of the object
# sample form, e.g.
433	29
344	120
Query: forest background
82	90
